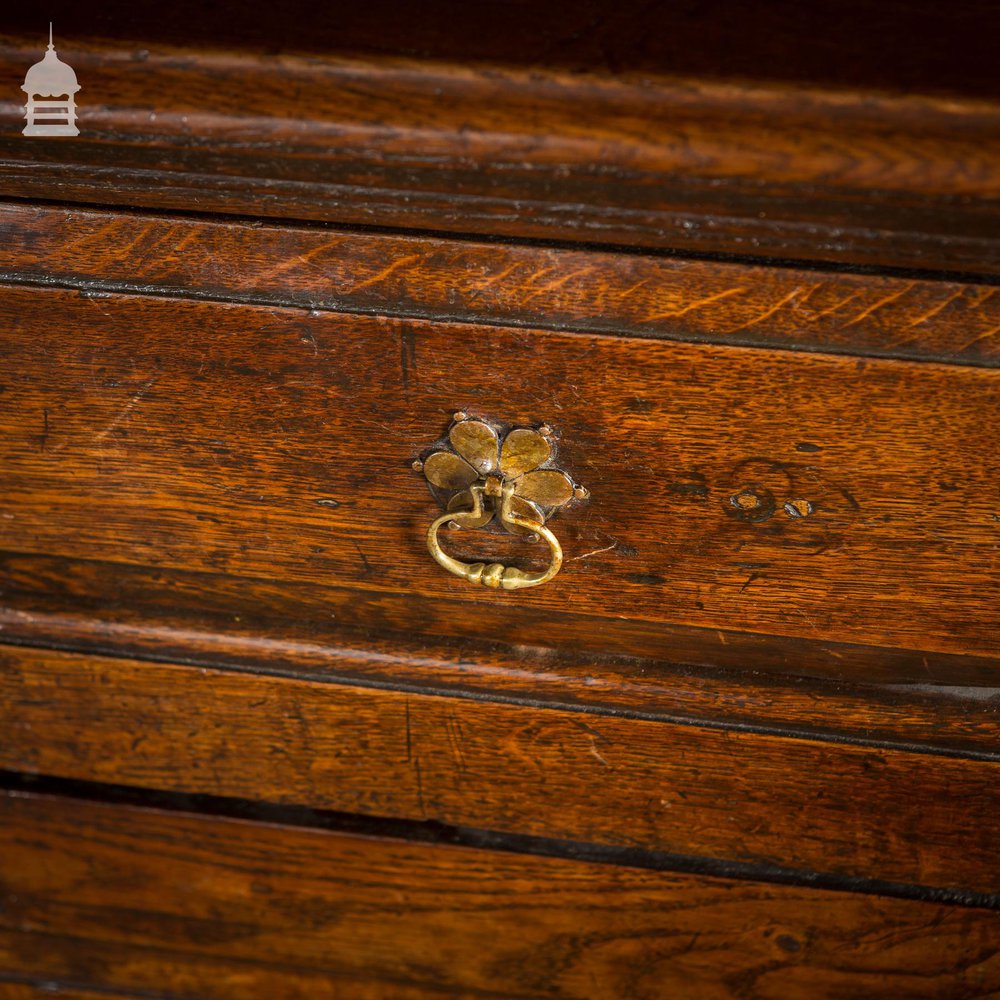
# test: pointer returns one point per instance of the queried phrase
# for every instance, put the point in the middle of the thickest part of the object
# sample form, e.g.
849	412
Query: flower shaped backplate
521	456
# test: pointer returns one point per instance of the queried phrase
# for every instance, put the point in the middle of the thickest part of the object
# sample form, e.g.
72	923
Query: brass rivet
581	492
418	466
545	430
453	525
459	417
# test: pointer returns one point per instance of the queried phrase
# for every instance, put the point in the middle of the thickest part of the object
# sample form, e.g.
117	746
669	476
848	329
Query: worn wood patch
729	794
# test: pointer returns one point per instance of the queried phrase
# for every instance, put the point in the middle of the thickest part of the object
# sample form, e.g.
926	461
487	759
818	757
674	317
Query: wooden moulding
275	445
786	804
125	899
685	164
122	899
896	698
428	277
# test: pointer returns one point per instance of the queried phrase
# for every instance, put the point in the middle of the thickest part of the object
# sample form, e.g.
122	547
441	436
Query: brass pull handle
489	477
494	575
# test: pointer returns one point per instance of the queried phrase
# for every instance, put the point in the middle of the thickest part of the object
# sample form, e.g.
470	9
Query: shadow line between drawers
431	832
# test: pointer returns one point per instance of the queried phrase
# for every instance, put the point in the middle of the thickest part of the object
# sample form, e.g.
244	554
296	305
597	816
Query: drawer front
763	801
126	899
812	496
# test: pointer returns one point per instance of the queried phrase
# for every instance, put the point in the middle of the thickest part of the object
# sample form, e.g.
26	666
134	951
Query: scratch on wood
92	299
587	555
364	559
456	738
594	752
127	408
407	355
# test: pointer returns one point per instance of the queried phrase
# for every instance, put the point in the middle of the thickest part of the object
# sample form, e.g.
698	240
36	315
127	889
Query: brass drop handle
494	575
488	474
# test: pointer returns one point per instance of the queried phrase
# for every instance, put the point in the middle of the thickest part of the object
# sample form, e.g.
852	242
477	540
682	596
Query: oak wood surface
806	805
739	680
665	160
225	484
136	899
275	444
430	277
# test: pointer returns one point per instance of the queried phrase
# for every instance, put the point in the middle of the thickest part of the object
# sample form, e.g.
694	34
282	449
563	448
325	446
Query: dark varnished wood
894	697
207	424
427	277
45	988
836	43
133	899
723	793
274	444
657	160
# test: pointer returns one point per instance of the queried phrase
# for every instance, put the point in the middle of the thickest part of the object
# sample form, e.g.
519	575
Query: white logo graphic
51	78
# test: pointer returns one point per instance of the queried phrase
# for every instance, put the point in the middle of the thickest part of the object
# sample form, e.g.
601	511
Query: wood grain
46	989
947	52
274	444
666	161
874	695
633	294
729	794
136	899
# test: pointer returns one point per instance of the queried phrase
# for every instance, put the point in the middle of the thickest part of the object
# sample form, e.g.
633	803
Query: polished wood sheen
391	122
742	261
121	898
772	685
276	444
428	277
722	792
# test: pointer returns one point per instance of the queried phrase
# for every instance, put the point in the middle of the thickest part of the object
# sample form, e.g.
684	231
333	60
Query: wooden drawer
762	801
209	463
136	900
253	457
256	742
